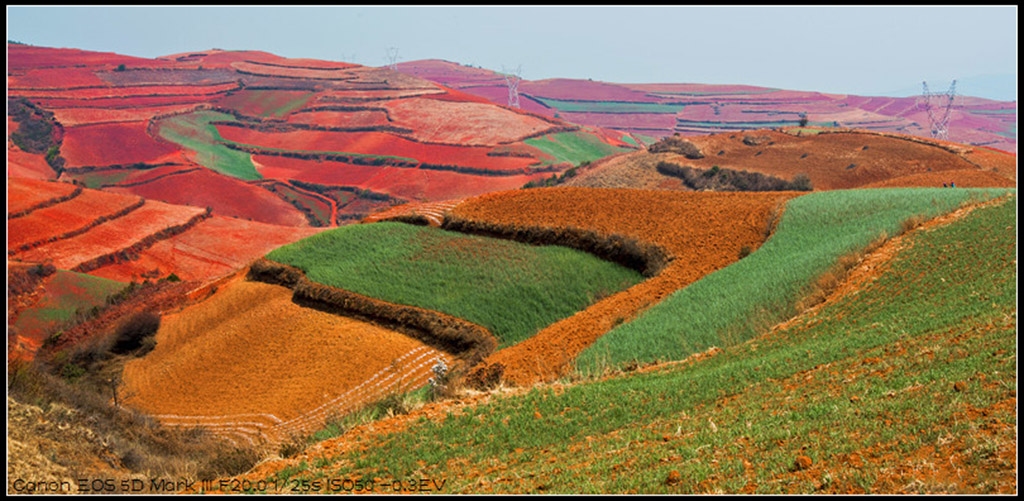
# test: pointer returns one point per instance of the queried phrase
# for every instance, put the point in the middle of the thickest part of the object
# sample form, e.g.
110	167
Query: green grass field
513	289
737	302
194	132
573	147
872	374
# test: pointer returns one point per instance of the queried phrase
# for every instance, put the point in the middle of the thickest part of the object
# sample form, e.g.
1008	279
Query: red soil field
966	178
311	64
448	73
583	90
357	95
411	184
110	236
261	102
227	196
715	89
21	164
112	144
24	193
831	161
127	91
282	71
222	58
701	232
55	78
458	97
829	157
288	367
119	103
212	248
71	117
373	143
462	123
657	123
340	118
26	57
499	95
56	220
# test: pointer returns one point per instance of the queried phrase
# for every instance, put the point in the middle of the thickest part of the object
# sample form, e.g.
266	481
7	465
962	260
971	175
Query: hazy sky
858	50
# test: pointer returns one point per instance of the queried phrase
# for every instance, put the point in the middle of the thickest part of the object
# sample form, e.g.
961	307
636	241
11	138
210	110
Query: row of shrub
719	179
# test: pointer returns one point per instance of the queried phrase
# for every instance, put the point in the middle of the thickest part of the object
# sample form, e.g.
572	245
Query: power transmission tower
512	80
392	53
938	122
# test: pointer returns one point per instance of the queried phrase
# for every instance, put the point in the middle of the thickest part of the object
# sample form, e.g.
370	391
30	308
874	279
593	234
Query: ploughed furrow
26	195
67	219
250	364
433	212
129	232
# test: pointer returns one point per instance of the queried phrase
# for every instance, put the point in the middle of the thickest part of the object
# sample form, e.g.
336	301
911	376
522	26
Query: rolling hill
658	110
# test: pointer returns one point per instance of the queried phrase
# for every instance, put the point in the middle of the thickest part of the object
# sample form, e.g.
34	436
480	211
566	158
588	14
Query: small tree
120	67
803	120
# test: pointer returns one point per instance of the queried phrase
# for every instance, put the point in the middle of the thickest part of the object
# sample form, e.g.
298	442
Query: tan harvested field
250	363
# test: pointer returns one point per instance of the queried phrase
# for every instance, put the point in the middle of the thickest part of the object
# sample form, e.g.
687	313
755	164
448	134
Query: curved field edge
738	302
921	361
194	132
512	289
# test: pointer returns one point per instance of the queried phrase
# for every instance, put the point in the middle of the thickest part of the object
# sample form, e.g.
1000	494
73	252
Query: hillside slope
903	382
658	110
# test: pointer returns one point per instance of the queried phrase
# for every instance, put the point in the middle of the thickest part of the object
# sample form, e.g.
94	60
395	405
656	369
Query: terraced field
251	337
916	360
675	238
511	289
662	109
771	285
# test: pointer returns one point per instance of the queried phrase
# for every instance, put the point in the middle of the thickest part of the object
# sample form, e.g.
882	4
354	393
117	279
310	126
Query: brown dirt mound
700	232
840	160
250	363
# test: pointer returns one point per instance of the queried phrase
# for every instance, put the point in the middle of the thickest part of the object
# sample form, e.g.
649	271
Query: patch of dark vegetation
136	334
468	341
676	144
755	140
374	161
648	259
414	219
557	179
718	179
38	132
24	279
851	166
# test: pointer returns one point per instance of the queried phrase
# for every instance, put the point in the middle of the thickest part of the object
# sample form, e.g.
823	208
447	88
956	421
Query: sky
864	50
